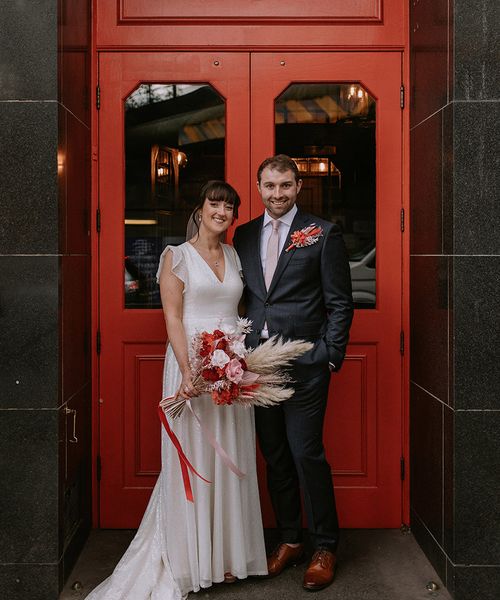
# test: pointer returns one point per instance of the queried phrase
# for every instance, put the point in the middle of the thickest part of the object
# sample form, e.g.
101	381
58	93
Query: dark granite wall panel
477	39
75	334
447	179
448	481
426	207
28	163
477	331
74	73
429	545
77	166
28	58
45	509
29	338
76	479
29	582
461	167
427	472
477	177
74	220
476	583
429	57
29	448
477	488
429	324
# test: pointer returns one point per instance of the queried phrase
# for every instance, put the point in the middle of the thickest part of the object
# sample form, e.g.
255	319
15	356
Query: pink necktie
272	252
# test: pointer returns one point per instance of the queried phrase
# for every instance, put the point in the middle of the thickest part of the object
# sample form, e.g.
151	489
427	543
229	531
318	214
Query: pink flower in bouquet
234	370
219	359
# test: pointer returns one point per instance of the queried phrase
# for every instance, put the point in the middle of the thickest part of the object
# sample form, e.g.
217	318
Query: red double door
363	430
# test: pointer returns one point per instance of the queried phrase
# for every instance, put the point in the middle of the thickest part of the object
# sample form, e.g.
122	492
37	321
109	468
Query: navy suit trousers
290	438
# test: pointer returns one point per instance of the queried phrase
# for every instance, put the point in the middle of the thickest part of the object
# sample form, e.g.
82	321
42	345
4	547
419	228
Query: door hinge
402	96
403	468
98	97
98	467
402	219
98	342
402	343
98	220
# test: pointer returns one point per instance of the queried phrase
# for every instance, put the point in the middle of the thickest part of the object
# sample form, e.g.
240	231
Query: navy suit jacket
310	296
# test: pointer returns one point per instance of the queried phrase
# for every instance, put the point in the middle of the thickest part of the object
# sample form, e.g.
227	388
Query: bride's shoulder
232	253
177	248
229	248
179	258
180	252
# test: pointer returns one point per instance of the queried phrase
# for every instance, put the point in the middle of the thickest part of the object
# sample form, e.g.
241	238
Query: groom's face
278	191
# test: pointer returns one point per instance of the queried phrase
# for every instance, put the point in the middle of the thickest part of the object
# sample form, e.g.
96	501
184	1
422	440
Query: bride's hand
186	388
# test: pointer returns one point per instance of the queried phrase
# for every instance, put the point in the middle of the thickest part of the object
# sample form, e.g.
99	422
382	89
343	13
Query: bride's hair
212	190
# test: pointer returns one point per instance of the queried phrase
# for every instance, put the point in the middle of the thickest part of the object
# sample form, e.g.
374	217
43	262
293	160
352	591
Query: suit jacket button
266	304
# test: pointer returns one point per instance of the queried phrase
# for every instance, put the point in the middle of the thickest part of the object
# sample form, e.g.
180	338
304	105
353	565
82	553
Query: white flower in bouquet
219	359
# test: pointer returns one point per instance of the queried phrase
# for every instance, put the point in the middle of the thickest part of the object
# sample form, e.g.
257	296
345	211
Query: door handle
74	439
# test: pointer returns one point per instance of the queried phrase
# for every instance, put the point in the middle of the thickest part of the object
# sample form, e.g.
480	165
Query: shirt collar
287	218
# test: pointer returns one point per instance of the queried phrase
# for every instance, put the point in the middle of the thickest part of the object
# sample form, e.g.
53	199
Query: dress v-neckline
221	281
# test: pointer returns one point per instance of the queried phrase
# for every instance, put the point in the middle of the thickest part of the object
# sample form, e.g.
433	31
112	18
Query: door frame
405	263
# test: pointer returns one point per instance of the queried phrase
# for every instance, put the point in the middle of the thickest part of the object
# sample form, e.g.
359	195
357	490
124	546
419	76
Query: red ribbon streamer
186	466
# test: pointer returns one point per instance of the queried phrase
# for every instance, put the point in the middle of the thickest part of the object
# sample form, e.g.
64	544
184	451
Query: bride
183	546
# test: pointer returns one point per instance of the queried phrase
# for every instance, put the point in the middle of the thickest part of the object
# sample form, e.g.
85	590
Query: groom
298	290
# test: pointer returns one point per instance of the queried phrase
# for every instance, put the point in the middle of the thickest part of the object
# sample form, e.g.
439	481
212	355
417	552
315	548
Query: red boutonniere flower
305	237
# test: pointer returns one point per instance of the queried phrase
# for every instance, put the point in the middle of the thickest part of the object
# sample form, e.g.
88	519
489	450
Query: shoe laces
276	551
323	557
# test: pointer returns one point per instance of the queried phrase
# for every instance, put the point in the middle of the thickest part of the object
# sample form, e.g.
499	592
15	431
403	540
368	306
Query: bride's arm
171	288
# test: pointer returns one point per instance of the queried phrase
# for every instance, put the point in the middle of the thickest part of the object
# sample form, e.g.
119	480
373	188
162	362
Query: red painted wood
219	24
363	425
133	341
246	10
363	431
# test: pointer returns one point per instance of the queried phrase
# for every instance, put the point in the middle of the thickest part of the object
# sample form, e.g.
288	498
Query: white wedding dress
183	546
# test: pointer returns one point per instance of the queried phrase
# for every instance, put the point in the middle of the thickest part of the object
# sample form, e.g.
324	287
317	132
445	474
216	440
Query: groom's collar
287	218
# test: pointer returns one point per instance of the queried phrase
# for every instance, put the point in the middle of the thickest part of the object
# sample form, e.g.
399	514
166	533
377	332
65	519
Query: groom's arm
337	293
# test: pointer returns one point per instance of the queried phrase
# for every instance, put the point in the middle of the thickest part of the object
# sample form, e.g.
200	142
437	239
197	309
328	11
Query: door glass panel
329	129
174	143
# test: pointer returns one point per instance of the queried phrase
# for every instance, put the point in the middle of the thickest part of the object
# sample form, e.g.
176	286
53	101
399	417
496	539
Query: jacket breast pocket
299	260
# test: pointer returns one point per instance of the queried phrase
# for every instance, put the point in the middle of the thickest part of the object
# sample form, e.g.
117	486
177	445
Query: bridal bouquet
232	373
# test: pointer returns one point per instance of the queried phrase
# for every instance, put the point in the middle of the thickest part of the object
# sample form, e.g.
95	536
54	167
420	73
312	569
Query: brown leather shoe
321	570
283	556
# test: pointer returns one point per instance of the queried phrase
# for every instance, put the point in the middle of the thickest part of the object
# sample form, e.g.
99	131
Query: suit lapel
298	222
253	247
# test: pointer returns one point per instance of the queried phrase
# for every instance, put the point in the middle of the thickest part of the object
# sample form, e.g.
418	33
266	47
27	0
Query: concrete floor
374	564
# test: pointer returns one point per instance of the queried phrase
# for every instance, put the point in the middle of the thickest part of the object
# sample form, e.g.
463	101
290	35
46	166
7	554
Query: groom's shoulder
249	225
325	225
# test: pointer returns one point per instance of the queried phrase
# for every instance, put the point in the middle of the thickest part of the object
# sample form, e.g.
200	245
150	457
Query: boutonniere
305	237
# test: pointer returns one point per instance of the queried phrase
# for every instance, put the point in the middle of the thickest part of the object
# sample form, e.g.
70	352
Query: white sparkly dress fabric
182	546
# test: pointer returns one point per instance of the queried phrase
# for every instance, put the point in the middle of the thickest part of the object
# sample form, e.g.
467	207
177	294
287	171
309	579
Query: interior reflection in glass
174	143
329	129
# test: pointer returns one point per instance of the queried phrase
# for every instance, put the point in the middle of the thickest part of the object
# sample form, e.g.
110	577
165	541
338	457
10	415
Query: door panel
133	337
363	424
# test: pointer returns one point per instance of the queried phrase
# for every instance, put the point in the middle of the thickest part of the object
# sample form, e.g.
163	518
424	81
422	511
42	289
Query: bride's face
216	216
